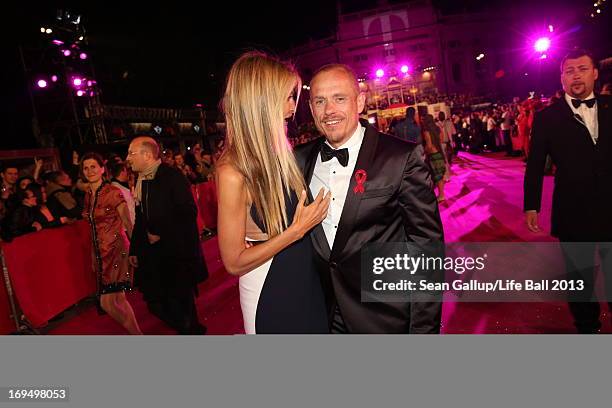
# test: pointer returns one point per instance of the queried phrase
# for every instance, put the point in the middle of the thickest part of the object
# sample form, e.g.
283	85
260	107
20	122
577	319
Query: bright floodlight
542	44
80	93
380	73
404	69
42	83
77	81
48	31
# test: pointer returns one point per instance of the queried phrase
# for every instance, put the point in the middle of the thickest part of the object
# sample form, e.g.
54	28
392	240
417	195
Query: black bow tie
588	102
327	153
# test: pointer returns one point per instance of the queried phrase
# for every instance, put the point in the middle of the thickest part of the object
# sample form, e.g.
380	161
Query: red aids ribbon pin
360	177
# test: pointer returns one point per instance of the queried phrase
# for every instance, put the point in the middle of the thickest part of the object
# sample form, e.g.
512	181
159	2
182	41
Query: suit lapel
319	240
351	204
311	160
567	113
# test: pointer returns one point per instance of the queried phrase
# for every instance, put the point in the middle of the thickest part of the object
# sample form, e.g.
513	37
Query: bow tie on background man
327	153
588	102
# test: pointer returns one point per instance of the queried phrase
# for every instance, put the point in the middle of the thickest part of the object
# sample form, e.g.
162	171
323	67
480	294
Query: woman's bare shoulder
228	174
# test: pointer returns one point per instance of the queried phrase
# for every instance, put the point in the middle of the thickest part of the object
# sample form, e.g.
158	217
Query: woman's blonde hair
257	88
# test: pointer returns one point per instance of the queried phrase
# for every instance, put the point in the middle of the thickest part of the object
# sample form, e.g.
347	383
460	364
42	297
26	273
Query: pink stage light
83	56
54	78
542	44
80	93
404	69
67	53
89	83
380	73
41	83
77	81
58	42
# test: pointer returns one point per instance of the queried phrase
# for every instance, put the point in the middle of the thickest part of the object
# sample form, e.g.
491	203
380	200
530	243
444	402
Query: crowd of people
197	165
33	199
32	203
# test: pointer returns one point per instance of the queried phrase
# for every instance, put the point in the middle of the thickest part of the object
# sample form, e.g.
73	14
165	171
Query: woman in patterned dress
108	216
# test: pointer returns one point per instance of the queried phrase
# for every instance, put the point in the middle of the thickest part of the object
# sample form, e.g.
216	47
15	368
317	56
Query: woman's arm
126	220
231	224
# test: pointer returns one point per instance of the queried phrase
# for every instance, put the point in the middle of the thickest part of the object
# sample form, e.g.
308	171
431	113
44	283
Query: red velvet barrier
6	322
51	270
206	197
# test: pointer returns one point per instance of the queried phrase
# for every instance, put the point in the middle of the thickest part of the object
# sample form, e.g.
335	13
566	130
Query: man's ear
361	100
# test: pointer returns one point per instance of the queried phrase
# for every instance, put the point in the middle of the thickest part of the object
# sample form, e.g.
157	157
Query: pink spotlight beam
404	69
380	73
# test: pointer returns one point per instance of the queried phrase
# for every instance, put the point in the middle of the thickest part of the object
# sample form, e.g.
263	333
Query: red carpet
484	203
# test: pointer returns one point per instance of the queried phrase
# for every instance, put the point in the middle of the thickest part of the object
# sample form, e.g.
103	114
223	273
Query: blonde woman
262	197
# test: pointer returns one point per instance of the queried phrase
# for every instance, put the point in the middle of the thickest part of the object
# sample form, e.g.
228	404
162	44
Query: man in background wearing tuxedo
576	133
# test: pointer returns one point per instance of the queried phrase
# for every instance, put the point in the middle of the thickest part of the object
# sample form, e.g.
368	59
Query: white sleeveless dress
251	283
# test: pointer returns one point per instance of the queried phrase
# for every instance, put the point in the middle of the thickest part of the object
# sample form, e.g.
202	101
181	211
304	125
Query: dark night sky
177	53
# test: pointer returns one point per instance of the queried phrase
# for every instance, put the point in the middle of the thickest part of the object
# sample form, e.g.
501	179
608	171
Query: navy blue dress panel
291	300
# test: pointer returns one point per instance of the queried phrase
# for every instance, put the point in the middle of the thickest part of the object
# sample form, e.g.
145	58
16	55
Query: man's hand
531	217
153	238
133	261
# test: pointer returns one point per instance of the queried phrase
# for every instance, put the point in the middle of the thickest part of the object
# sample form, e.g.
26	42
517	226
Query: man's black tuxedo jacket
398	205
581	208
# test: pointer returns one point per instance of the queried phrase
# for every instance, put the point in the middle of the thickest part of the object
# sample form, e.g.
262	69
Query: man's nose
330	107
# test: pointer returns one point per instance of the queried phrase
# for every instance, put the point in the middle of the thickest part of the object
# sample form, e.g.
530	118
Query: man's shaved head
148	144
142	153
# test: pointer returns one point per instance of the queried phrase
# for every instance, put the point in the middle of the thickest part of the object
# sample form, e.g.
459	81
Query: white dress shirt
588	115
332	176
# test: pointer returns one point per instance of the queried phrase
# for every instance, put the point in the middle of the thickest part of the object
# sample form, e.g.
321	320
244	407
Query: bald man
381	193
165	244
